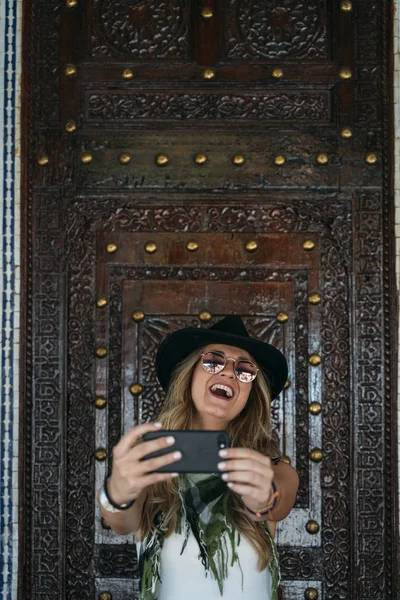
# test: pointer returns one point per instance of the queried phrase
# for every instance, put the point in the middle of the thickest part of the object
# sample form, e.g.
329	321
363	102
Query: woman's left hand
249	474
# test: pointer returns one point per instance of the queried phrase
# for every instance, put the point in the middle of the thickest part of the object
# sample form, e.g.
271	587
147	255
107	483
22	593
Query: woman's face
219	397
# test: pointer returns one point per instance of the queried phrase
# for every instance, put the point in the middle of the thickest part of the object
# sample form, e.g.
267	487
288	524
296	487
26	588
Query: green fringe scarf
205	512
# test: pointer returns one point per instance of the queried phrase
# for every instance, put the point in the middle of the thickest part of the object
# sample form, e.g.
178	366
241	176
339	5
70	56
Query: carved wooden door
186	160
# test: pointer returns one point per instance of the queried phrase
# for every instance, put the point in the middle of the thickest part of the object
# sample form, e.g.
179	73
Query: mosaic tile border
10	94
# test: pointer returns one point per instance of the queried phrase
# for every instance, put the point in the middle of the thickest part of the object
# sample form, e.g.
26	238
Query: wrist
110	503
272	500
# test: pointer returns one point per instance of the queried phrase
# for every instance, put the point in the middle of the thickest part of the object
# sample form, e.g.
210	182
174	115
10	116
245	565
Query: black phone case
199	450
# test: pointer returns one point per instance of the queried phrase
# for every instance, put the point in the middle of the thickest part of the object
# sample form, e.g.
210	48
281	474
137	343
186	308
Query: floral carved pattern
271	106
142	29
263	29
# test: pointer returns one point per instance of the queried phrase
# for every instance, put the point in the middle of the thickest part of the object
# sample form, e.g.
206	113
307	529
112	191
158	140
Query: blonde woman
199	536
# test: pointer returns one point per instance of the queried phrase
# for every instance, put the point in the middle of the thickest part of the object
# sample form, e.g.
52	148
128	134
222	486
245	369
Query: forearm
286	482
126	521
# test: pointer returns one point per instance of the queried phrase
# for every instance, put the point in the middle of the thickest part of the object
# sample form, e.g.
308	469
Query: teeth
220	386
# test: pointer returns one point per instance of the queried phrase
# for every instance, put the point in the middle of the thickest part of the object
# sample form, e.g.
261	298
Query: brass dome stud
111	248
70	70
346	6
207	13
86	158
279	160
101	352
127	74
205	316
314	360
238	160
162	160
192	246
346	133
101	302
138	316
316	455
314	298
105	596
136	389
125	158
251	246
101	454
345	73
322	159
314	408
150	247
200	159
71	3
282	317
312	527
209	74
311	594
70	126
371	158
287	384
100	403
43	160
308	245
277	73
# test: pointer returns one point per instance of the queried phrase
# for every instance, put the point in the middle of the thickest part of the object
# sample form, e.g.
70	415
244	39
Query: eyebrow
238	358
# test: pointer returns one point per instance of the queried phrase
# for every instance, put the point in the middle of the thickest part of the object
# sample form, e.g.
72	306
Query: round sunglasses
215	362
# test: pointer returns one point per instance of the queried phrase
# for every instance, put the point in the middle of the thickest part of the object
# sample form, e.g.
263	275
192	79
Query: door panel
185	160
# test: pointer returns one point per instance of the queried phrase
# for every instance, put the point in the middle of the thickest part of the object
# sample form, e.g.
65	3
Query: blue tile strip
9	205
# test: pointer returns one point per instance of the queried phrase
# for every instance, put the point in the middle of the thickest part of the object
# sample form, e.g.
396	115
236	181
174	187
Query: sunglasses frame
235	360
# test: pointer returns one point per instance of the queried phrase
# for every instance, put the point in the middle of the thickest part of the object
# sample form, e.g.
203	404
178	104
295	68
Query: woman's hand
130	474
249	474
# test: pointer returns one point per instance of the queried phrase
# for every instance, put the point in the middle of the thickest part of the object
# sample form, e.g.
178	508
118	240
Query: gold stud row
162	160
192	246
70	70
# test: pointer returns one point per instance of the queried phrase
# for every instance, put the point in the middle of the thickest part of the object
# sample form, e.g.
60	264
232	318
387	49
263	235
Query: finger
249	478
246	465
130	438
242	489
152	464
244	453
141	450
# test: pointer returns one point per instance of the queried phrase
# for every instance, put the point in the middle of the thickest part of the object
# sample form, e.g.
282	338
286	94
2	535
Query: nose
229	369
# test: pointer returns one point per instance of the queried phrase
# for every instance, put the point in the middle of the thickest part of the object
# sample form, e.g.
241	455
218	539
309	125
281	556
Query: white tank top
183	576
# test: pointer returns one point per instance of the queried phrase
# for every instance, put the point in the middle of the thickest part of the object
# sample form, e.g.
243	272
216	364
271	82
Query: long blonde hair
250	429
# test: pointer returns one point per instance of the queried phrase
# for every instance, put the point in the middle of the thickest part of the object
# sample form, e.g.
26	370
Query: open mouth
225	392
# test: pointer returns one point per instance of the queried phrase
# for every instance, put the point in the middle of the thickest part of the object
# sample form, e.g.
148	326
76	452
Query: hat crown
232	324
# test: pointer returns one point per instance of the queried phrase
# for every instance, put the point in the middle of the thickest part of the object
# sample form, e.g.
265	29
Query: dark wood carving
74	208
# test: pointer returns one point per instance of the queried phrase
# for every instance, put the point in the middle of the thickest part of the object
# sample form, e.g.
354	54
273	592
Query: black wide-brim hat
230	331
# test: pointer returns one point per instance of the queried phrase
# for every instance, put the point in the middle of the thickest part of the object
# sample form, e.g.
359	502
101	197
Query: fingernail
158	425
225	476
223	452
230	484
221	466
177	455
170	440
174	475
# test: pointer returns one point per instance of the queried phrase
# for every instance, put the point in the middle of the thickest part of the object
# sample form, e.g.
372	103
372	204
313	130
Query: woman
207	536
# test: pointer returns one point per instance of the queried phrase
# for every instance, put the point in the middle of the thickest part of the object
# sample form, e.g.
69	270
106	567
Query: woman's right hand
130	474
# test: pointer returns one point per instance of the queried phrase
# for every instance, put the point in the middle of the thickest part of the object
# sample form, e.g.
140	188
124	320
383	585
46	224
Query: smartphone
199	450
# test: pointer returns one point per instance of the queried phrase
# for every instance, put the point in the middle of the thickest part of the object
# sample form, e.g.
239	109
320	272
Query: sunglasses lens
213	363
245	371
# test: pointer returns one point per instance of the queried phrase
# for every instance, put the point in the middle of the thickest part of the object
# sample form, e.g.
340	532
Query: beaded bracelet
114	504
265	512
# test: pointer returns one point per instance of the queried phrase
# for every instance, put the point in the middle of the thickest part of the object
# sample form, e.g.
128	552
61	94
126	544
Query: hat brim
179	344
